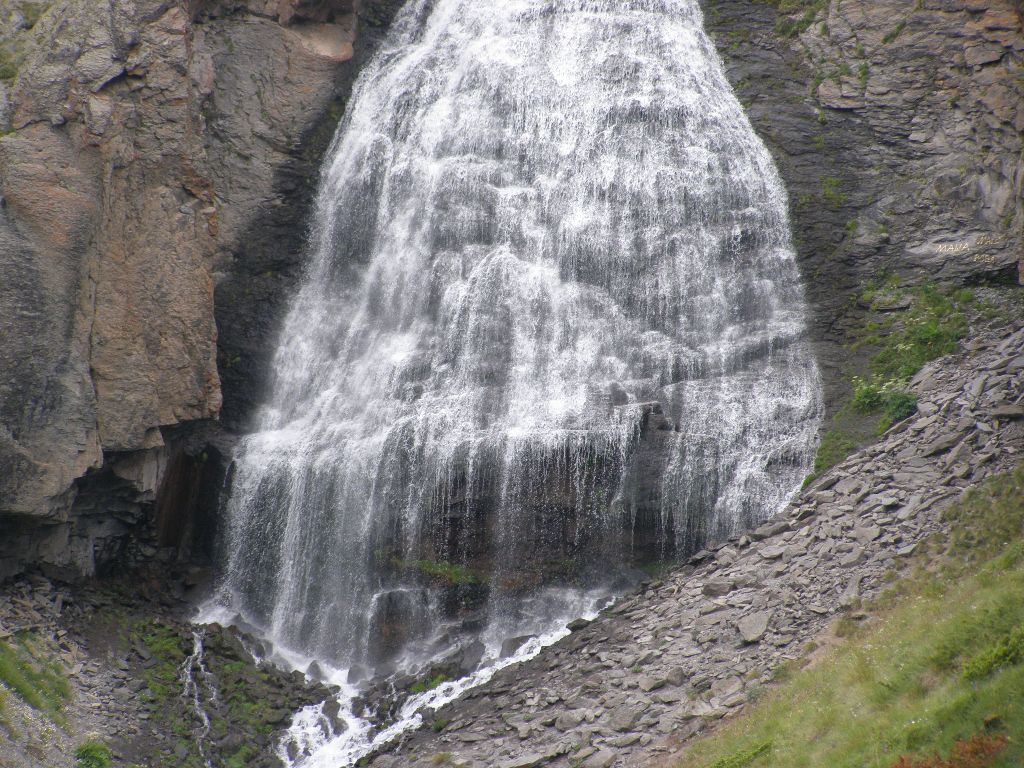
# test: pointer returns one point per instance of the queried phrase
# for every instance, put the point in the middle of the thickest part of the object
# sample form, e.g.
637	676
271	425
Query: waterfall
199	689
551	329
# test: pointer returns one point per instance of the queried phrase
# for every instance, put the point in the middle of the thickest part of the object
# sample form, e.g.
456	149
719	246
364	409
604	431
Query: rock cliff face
896	125
144	147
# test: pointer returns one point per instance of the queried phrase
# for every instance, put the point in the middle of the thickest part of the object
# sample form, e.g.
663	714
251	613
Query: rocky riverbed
662	665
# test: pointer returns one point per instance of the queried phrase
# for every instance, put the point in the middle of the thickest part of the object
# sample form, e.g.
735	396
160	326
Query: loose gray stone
753	626
768	530
623	718
676	676
647	684
718	587
568	720
852	558
526	761
867	534
603	759
772	552
943	443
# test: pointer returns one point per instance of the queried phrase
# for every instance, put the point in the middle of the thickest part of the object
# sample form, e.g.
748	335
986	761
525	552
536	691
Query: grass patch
798	16
656	571
92	754
452	574
36	681
836	444
163	642
242	758
832	192
744	757
930	324
8	67
1005	652
931	327
31	12
938	672
422	686
15	42
892	34
987	519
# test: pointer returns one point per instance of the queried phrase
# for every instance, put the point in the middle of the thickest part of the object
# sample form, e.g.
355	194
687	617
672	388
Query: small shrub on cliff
863	72
867	395
8	67
892	34
31	13
92	754
798	16
422	686
831	188
900	405
890	398
452	574
1003	653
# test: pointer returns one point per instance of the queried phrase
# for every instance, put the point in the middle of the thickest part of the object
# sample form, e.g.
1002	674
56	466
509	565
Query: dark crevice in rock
266	266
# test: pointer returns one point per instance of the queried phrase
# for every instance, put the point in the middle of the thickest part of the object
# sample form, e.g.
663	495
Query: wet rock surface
128	654
664	664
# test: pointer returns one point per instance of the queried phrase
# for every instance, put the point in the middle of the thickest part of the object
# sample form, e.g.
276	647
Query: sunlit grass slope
941	660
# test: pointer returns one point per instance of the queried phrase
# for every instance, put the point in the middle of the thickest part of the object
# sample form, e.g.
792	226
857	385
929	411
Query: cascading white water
199	688
551	326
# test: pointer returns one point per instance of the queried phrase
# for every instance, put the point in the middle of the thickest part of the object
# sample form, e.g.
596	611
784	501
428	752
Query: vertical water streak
199	688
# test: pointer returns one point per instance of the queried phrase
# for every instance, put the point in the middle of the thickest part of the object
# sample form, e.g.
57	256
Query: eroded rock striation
141	147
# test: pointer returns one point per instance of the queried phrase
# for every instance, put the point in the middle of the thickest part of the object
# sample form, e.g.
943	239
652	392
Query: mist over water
551	329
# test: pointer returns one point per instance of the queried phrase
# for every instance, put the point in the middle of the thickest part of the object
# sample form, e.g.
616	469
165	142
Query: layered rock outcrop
897	128
141	143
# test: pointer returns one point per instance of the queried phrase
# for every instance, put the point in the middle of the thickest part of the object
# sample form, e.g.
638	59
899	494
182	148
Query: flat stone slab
754	626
